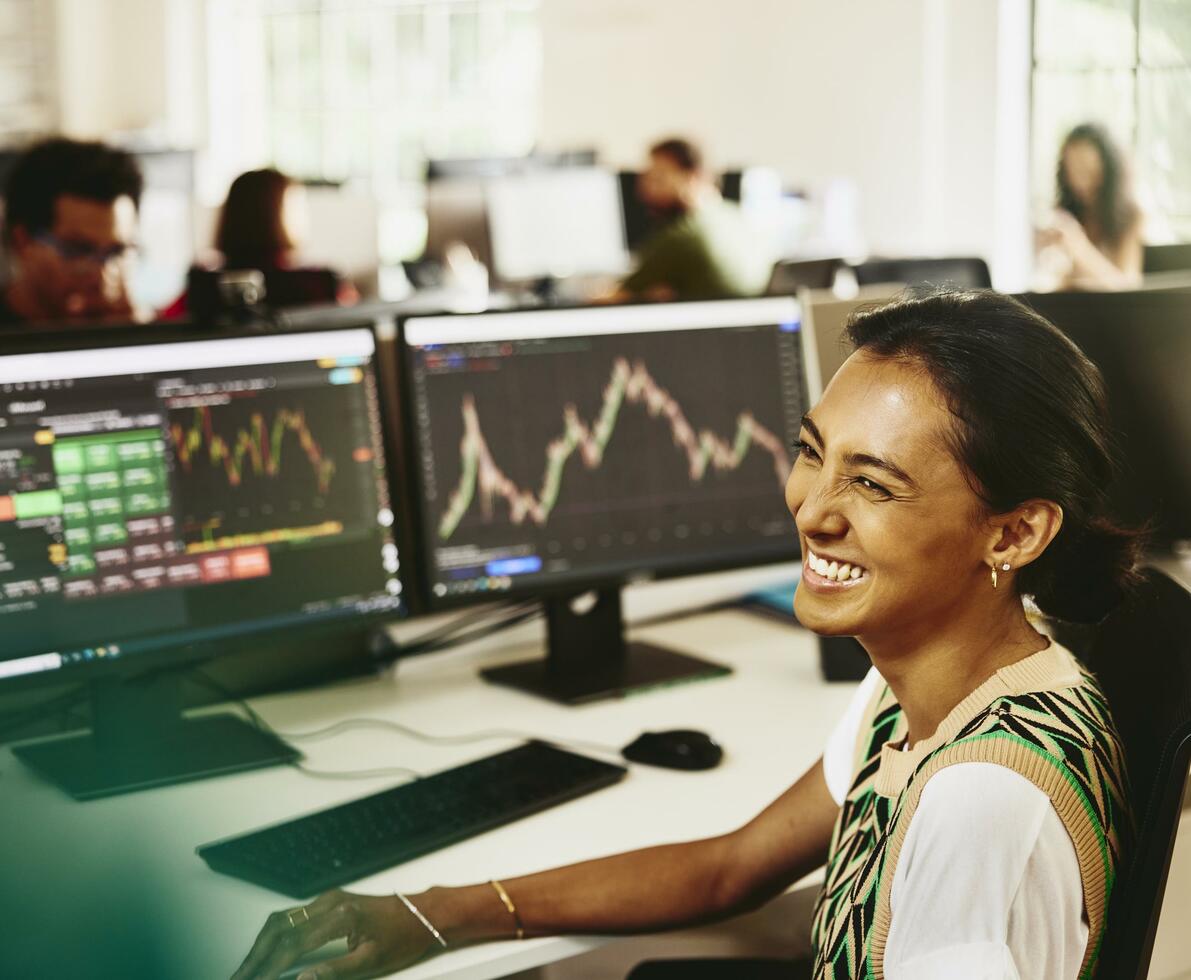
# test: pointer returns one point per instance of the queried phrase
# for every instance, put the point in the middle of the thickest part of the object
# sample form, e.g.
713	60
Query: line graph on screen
484	482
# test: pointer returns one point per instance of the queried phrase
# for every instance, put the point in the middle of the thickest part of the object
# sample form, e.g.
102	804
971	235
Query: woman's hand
382	936
1064	231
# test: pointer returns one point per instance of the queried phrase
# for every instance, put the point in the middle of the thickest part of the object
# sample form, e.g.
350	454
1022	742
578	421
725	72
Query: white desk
121	873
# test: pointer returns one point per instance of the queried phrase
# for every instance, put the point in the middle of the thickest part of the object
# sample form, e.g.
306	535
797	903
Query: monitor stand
588	658
139	739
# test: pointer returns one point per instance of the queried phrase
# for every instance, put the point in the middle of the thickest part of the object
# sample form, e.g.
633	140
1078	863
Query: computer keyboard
332	847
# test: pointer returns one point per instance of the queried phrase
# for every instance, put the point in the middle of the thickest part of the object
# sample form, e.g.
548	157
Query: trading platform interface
170	493
580	444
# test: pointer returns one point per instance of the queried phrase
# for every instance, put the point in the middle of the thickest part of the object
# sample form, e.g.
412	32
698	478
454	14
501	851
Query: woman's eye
872	487
805	450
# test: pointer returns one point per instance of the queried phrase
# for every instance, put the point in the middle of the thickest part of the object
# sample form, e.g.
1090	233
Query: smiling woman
970	805
958	460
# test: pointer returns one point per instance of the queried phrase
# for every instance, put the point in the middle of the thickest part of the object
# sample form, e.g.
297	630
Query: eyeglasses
75	251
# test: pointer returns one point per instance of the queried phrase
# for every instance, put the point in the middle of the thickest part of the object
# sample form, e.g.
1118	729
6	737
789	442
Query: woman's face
878	496
1084	169
295	215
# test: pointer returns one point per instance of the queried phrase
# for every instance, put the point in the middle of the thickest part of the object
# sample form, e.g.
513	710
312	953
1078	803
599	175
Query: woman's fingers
358	963
282	930
268	937
306	937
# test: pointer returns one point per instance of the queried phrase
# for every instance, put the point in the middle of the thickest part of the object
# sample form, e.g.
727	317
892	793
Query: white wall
922	102
131	67
906	97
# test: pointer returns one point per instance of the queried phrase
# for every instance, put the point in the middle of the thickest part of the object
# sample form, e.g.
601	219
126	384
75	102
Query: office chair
788	277
967	271
1142	656
1166	258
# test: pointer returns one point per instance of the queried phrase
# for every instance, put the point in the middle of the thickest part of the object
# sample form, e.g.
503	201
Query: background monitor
560	450
824	326
163	502
555	223
456	212
1141	341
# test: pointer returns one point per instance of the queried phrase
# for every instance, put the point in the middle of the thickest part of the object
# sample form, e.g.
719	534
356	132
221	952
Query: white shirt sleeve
987	884
839	754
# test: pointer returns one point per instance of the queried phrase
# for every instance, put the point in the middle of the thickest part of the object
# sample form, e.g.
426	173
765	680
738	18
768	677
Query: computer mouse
677	749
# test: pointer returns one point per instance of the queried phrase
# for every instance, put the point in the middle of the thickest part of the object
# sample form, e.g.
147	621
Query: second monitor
563	451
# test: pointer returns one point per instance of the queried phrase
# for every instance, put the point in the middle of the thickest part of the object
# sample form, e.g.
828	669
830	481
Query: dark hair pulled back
1031	424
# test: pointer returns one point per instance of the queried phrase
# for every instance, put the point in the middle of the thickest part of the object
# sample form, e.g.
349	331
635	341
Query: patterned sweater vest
1043	717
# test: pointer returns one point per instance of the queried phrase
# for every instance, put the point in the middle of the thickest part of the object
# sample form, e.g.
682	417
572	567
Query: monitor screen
164	494
557	447
1141	342
556	223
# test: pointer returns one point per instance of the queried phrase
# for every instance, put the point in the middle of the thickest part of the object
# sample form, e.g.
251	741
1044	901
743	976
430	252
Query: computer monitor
639	223
558	452
1141	341
456	212
165	501
555	223
824	323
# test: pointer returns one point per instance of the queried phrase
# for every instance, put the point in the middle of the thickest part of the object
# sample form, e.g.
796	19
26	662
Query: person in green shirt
706	250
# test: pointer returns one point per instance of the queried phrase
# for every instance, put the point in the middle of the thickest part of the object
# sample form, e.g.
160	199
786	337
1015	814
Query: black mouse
677	749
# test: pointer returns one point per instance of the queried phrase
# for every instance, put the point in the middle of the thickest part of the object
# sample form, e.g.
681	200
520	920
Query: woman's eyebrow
867	459
862	459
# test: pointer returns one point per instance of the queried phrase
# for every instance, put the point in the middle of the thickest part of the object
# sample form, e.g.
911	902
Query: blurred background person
705	249
1093	239
70	228
262	226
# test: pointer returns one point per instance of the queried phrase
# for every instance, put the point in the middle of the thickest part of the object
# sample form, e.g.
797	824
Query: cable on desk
454	633
353	724
263	726
346	774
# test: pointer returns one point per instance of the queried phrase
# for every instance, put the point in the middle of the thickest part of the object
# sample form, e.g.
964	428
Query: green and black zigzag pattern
847	902
1071	729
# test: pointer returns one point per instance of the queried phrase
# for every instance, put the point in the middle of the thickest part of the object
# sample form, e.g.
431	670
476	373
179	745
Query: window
26	100
1127	65
365	91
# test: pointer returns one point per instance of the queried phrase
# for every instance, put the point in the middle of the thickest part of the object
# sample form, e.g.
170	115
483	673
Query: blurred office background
923	127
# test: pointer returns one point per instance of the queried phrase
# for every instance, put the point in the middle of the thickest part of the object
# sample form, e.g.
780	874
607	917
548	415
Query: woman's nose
817	510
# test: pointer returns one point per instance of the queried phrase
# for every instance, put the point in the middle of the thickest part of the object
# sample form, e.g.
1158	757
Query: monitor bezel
585	579
58	339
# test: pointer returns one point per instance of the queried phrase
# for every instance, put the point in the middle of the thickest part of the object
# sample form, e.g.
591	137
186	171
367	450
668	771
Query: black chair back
967	271
788	277
284	289
1166	258
1142	656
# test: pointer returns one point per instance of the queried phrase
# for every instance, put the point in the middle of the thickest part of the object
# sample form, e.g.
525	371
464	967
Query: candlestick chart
269	462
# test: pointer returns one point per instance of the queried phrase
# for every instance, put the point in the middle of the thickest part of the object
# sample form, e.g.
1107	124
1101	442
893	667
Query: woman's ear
1024	533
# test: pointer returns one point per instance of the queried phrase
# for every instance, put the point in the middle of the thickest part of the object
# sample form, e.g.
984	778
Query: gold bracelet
504	897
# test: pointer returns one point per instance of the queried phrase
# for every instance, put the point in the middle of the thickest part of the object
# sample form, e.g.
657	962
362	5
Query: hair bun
1081	577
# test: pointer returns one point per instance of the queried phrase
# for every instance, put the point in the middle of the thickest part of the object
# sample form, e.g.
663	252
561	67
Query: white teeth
833	570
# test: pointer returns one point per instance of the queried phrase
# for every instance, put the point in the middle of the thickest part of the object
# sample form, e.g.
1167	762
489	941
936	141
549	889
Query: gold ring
297	922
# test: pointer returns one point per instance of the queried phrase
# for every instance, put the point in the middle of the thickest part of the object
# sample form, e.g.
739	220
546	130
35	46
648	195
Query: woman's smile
822	573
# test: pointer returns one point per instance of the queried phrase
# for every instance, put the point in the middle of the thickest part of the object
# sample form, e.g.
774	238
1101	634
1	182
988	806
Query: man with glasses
70	224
